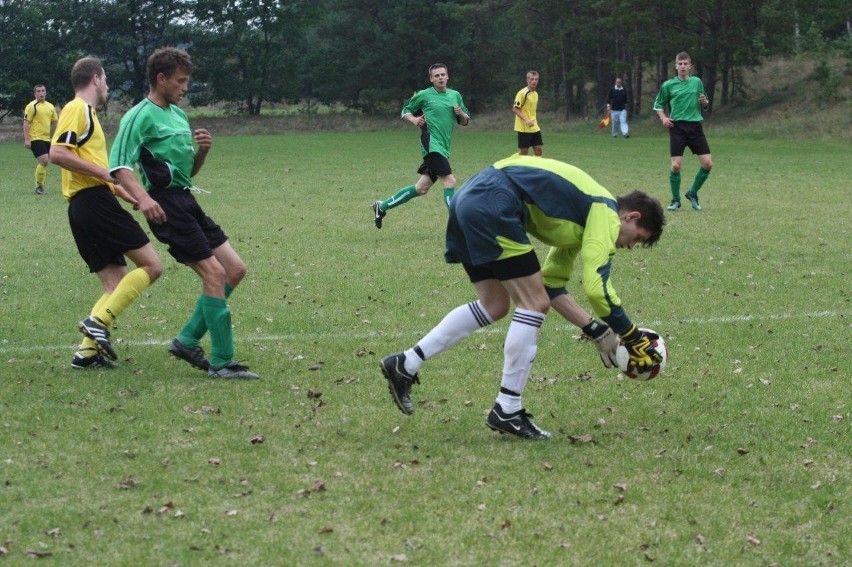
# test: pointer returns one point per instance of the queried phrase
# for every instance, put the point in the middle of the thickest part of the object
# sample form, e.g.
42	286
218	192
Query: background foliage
371	54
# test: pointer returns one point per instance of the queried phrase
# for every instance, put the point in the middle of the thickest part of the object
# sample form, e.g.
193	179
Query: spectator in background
616	105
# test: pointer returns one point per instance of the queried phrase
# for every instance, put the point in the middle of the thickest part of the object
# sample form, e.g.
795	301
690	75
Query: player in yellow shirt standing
39	115
104	232
526	123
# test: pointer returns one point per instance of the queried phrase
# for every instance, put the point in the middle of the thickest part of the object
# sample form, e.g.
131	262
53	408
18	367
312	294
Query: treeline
370	55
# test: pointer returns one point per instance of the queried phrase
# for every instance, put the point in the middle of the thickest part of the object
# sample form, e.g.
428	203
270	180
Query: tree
248	50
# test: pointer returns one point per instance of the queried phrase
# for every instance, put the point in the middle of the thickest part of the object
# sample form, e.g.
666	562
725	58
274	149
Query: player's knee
153	269
496	309
237	273
675	168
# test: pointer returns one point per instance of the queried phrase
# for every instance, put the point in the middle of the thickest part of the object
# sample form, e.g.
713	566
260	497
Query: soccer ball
623	358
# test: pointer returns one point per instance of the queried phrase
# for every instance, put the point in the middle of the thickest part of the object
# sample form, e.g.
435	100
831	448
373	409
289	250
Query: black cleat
517	424
194	356
378	213
232	371
80	362
96	330
399	381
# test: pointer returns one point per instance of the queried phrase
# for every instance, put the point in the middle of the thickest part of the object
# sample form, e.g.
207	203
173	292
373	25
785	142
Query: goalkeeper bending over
487	232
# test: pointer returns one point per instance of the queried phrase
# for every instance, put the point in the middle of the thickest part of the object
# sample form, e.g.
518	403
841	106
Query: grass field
739	454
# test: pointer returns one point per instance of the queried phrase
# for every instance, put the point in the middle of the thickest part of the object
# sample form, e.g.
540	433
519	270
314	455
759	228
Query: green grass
745	435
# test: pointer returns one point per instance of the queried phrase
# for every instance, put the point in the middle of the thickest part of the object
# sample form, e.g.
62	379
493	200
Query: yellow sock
88	345
40	174
129	288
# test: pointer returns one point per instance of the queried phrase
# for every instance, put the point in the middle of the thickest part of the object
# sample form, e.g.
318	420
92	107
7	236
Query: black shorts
102	229
687	135
529	140
485	229
190	234
39	147
508	269
435	165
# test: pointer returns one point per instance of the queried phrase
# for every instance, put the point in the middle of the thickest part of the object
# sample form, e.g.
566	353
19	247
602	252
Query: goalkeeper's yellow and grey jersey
577	217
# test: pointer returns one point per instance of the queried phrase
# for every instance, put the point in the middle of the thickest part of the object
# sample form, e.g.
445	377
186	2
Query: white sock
510	403
520	349
455	326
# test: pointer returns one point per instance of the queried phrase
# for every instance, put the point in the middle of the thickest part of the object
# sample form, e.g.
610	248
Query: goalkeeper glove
643	356
605	339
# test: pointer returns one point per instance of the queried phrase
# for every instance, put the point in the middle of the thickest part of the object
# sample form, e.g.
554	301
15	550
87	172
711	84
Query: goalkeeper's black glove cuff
595	329
633	335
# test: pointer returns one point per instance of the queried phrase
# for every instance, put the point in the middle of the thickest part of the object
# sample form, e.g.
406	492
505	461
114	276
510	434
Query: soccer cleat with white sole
97	330
517	424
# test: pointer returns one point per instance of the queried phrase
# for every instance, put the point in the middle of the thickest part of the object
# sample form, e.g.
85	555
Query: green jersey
437	107
159	140
682	97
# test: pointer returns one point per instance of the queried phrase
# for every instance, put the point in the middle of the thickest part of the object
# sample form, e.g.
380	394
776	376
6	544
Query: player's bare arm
145	204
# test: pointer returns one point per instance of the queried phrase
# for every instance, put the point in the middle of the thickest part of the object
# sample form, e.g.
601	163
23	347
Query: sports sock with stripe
455	326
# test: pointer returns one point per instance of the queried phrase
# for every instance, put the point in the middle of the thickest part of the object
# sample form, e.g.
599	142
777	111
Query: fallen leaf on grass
585	438
505	525
165	508
620	486
700	539
214	461
752	539
128	482
837	418
742	451
316	366
257	439
231	512
326	530
39	554
55	532
402	558
618	500
720	471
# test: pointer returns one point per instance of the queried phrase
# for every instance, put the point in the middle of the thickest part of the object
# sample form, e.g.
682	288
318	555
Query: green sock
700	178
674	182
448	195
402	196
218	319
196	327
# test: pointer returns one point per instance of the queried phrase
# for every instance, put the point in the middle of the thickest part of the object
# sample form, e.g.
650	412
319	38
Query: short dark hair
167	60
653	220
84	70
683	55
436	66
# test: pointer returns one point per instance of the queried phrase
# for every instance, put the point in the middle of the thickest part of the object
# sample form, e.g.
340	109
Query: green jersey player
435	111
685	97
